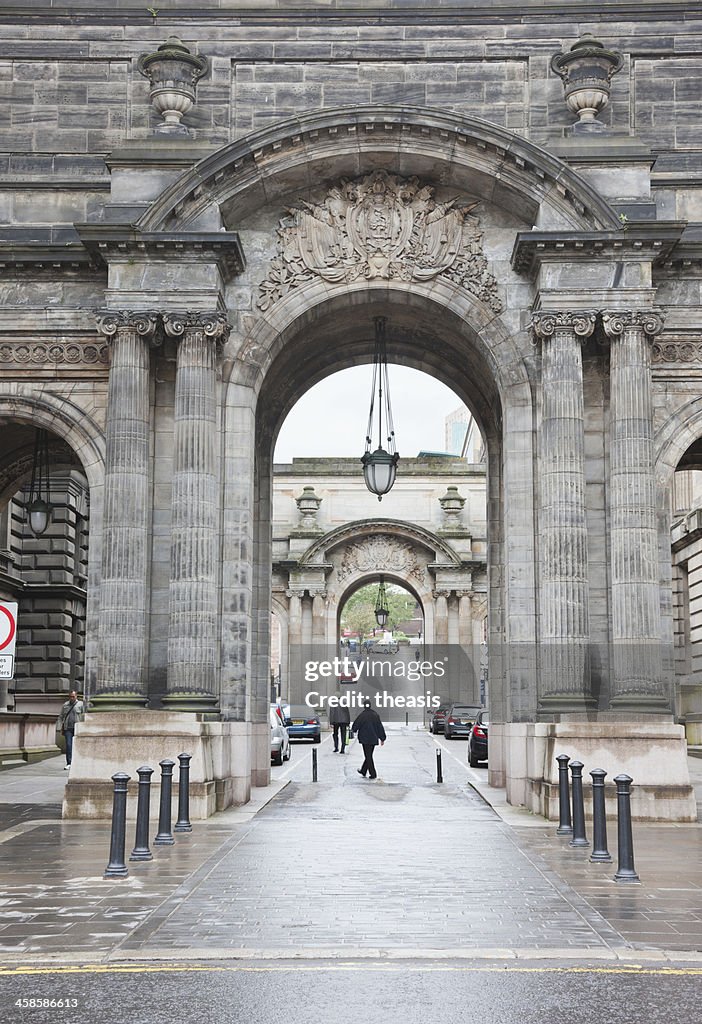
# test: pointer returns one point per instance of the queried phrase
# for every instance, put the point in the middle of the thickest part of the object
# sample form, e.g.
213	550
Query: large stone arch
276	353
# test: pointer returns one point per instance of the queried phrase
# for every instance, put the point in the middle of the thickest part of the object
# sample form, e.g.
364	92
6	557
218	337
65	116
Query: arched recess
401	552
679	440
80	434
434	327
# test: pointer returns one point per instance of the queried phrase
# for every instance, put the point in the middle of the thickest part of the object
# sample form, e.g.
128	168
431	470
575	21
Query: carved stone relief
61	352
380	227
381	552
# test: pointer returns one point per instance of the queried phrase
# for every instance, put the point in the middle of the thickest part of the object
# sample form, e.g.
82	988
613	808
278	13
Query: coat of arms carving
380	226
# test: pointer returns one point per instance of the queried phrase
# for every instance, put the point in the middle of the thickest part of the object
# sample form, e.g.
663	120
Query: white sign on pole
8	636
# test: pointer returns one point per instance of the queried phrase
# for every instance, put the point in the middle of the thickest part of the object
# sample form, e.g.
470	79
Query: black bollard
116	867
406	717
314	765
164	837
565	827
183	822
599	818
439	773
626	871
579	838
141	849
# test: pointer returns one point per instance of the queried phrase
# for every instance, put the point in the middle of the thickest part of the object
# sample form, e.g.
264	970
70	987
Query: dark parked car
304	723
478	740
459	720
438	718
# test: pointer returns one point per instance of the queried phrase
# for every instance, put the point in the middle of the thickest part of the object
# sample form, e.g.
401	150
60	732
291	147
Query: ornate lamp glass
39	515
380	465
379	471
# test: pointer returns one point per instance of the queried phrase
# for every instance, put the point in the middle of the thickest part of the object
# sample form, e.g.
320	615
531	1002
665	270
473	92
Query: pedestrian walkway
401	866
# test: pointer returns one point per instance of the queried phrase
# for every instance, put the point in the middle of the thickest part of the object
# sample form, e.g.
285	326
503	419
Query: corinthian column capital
616	321
579	322
142	322
178	324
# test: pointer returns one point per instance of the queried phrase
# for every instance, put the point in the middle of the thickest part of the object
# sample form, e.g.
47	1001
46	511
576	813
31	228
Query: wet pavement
313	992
344	868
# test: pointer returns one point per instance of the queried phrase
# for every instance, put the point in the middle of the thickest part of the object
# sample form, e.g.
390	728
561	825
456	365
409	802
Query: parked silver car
280	741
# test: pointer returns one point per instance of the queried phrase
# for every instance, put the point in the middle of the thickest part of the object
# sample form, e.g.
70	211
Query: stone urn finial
587	70
308	506
452	506
174	73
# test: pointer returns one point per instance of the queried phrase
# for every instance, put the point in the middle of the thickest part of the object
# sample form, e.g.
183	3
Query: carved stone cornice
615	322
145	323
654	241
581	323
178	324
108	243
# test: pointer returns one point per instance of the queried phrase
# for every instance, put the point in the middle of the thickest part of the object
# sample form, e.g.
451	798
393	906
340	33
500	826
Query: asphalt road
231	992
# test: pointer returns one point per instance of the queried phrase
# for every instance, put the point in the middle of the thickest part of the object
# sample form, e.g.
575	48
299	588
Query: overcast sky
331	418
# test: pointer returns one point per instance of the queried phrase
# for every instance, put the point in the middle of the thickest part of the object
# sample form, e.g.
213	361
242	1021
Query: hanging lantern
382	613
38	507
380	465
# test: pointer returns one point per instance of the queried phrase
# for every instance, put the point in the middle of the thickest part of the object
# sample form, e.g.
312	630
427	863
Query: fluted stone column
637	682
123	621
192	630
441	624
564	623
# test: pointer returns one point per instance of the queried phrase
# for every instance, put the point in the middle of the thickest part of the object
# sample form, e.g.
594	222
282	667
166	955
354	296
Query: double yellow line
290	965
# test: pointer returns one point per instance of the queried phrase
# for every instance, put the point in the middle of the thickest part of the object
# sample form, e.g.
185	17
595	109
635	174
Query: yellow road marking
184	968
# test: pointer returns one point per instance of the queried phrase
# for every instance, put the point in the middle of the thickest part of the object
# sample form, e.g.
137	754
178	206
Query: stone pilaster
465	618
319	608
637	682
123	623
192	631
564	621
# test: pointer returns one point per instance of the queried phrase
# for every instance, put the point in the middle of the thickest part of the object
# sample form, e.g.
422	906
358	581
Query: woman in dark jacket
369	730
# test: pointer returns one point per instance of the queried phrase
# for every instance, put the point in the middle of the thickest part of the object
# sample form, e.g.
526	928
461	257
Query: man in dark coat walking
339	720
369	730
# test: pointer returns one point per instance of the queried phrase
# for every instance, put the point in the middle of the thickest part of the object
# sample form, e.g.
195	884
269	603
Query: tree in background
358	614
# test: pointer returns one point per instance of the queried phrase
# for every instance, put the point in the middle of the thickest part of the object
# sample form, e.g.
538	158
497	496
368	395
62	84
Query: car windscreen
302	711
464	712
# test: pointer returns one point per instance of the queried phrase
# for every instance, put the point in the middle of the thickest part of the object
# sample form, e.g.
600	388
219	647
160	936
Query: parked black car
478	740
459	720
438	718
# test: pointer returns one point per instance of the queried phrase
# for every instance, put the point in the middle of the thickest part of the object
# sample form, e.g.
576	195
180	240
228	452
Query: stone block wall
70	91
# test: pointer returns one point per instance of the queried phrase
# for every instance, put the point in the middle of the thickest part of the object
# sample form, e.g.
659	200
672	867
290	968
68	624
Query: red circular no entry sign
8	626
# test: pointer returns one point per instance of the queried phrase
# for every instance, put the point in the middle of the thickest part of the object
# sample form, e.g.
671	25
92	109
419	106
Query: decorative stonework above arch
380	226
382	552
